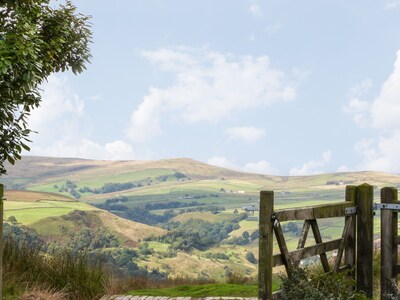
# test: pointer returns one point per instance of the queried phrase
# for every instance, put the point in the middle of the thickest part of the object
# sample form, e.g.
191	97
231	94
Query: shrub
251	258
305	284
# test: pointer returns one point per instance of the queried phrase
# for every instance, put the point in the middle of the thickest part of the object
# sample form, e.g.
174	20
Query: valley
175	217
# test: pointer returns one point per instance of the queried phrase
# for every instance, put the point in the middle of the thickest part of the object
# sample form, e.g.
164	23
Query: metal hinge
350	211
390	206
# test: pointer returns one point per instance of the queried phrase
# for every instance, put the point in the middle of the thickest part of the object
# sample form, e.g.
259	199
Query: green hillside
160	209
183	180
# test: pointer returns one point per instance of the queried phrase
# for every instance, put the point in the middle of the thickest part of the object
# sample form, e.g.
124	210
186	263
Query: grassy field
30	212
205	216
202	291
24	196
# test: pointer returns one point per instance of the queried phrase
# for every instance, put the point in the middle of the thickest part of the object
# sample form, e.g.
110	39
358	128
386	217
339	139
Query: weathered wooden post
265	253
1	239
388	244
350	247
365	228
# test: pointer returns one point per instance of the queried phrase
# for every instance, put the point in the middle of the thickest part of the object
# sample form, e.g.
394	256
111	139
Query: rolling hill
53	215
132	200
183	179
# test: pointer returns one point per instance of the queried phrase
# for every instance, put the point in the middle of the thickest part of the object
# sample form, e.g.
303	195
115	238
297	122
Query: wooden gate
348	246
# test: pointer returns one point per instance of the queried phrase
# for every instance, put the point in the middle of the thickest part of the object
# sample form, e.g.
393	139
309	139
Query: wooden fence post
388	244
350	247
265	253
365	228
1	239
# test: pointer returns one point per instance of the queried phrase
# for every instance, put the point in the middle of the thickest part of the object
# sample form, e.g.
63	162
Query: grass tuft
26	268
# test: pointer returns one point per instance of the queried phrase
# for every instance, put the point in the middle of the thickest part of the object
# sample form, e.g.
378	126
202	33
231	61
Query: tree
250	257
36	40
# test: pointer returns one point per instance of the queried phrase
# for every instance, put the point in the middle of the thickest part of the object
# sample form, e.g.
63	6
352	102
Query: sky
270	87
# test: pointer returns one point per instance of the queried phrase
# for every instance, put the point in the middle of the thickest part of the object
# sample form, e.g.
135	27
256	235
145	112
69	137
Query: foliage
36	40
145	250
176	176
197	234
171	204
255	235
22	235
312	285
121	261
237	240
250	257
69	187
111	187
85	240
144	216
25	267
291	227
218	255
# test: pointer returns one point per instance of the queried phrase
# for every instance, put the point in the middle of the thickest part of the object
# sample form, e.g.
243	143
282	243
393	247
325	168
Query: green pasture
159	247
205	216
30	212
100	180
229	201
227	185
206	290
194	186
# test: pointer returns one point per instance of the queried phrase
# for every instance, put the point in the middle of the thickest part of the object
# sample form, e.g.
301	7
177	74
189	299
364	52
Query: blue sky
273	87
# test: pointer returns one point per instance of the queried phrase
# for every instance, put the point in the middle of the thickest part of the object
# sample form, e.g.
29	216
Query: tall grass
26	268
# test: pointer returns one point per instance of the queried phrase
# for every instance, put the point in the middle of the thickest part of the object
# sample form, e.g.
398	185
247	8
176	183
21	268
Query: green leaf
11	160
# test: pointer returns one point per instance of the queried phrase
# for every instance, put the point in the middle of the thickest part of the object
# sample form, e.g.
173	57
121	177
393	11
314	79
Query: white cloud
118	150
58	101
359	109
360	89
344	169
385	109
381	154
260	167
221	161
208	87
64	129
392	4
382	114
247	134
145	123
85	148
255	9
313	166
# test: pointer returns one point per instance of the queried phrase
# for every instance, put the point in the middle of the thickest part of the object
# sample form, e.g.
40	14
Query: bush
313	285
251	258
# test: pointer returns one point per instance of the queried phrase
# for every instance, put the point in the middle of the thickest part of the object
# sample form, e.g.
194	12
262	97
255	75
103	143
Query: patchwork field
28	212
133	200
